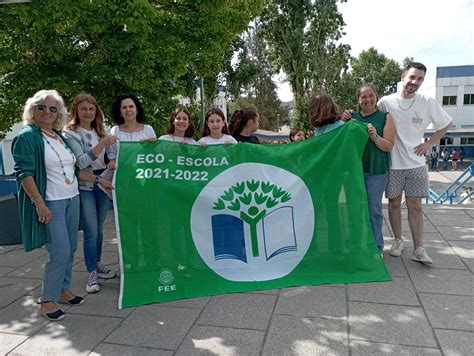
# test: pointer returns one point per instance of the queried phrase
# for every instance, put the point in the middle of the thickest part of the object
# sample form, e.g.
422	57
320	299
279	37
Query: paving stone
240	310
6	270
193	303
109	258
395	265
22	317
313	301
17	258
9	341
465	250
449	311
14	288
296	335
387	233
427	227
165	328
442	253
401	325
122	350
363	348
62	338
456	233
79	282
399	291
103	303
455	343
34	269
8	248
431	280
451	220
213	340
267	291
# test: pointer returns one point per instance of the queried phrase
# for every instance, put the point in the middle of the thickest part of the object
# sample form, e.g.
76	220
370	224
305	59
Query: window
467	140
449	100
446	141
468	99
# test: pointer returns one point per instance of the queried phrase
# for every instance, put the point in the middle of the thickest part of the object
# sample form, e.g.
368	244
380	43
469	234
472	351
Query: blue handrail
451	192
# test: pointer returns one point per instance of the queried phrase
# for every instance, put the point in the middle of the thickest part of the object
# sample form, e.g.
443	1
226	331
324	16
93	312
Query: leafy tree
252	199
106	48
302	36
370	67
253	76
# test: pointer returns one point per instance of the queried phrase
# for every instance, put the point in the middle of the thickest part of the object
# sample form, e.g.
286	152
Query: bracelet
97	180
36	199
375	137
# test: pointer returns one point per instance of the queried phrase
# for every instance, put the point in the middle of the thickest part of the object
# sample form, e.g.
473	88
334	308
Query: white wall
463	115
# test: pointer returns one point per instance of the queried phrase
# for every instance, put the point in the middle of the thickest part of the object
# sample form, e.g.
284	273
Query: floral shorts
414	182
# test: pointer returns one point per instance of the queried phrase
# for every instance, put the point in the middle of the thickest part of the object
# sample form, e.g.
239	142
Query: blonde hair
97	124
40	97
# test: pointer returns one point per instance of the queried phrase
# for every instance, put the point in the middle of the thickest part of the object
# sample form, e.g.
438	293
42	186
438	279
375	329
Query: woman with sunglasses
48	196
85	134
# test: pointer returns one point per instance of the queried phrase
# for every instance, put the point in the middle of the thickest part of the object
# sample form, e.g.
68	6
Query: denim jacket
80	144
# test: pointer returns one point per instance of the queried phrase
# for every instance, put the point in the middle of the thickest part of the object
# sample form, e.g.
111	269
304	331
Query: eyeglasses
42	107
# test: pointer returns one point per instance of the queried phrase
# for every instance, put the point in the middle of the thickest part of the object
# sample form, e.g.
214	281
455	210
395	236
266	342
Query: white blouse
173	138
145	134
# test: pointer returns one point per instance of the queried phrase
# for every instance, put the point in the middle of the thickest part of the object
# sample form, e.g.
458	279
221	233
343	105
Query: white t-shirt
216	141
146	133
411	117
56	187
99	163
173	138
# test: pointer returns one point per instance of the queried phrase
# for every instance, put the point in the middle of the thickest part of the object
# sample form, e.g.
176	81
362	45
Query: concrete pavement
422	311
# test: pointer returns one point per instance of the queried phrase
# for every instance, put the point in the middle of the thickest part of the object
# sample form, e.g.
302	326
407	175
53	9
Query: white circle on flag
242	238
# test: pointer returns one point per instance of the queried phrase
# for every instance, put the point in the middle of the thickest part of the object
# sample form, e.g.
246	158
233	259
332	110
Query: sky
434	32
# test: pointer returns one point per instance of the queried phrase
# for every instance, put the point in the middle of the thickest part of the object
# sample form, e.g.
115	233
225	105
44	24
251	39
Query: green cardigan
28	153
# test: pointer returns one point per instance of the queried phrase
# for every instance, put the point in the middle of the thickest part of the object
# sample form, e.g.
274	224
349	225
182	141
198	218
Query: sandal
56	315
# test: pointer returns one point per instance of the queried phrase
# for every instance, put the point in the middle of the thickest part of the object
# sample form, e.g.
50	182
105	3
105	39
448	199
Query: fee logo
253	222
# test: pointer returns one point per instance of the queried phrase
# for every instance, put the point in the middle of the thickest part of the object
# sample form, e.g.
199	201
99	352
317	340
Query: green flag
195	221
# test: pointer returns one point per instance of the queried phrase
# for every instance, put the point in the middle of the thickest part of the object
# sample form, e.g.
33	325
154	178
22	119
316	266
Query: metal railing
451	192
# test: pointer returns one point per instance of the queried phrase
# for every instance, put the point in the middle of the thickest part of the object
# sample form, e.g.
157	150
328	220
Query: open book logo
253	222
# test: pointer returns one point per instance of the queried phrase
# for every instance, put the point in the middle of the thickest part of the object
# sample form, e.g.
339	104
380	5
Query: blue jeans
63	230
94	206
375	186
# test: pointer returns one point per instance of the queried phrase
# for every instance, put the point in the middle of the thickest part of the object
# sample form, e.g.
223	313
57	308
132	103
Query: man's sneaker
397	248
104	272
92	284
420	255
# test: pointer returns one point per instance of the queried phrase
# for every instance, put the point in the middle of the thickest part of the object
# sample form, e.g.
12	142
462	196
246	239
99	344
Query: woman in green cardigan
48	196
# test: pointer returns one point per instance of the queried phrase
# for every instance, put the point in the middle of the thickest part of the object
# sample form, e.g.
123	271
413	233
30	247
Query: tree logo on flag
253	222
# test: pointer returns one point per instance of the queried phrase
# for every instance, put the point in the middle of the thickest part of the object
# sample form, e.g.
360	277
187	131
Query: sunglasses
42	107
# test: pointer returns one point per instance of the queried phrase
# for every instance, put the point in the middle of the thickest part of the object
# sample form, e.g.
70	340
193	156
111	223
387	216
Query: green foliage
106	48
303	39
370	67
252	76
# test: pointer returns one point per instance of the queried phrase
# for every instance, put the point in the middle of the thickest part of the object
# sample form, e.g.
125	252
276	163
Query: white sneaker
397	248
92	284
420	255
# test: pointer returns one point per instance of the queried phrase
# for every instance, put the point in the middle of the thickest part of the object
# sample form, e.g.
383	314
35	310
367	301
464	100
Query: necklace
409	107
55	136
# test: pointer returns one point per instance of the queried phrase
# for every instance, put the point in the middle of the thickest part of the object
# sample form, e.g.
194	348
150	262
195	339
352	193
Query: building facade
455	91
